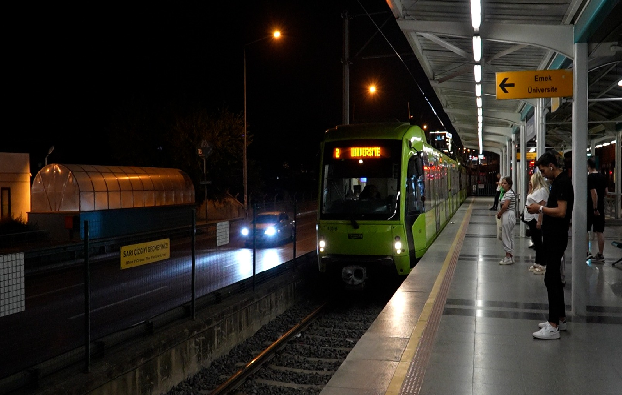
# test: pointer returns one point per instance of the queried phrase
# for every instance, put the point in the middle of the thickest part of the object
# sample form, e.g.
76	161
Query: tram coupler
354	275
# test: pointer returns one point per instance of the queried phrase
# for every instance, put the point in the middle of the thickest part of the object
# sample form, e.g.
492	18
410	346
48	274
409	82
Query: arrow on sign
503	85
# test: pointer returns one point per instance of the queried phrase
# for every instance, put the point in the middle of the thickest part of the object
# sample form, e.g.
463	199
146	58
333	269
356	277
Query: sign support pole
579	179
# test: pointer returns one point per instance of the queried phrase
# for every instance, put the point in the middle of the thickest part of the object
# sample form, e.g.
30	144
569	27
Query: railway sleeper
303	371
348	339
273	383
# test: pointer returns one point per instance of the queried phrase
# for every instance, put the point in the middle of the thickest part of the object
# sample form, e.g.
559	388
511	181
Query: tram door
415	197
437	195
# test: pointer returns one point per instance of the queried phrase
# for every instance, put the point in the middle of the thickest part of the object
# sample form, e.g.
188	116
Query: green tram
384	196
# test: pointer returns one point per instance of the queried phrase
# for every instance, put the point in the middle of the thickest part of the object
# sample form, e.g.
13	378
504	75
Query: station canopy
78	188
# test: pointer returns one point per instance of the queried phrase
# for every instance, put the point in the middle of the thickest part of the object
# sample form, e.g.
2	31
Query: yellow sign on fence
533	84
143	253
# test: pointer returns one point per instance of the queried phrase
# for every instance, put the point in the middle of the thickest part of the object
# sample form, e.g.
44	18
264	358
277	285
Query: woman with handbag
538	193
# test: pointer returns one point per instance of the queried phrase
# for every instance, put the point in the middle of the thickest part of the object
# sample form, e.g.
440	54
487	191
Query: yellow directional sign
143	253
532	84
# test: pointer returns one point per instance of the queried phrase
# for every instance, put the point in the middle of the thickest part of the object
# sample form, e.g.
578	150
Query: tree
168	135
223	131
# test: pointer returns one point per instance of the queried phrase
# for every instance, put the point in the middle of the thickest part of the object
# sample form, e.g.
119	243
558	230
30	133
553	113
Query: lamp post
49	152
276	35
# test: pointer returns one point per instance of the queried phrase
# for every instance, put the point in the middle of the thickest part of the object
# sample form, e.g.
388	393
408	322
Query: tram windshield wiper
355	224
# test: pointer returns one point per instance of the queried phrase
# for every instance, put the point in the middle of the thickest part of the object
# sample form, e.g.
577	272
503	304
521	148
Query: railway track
297	353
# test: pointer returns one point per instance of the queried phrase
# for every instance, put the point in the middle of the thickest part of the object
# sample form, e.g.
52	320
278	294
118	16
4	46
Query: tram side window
428	178
443	183
415	186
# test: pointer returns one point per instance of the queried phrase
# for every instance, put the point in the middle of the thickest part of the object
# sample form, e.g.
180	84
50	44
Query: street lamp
275	35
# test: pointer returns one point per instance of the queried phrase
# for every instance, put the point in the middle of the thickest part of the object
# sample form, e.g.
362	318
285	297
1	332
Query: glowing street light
276	35
372	89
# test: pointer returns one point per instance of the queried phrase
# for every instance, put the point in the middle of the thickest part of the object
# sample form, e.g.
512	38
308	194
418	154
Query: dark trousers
536	238
496	203
554	249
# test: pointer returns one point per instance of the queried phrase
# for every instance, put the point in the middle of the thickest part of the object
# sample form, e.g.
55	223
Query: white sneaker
539	269
533	267
561	326
506	261
547	332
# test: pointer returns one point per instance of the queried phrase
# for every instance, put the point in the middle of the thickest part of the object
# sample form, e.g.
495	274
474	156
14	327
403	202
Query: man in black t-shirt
555	224
596	192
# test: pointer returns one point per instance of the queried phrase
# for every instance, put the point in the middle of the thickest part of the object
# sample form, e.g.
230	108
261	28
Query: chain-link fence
63	304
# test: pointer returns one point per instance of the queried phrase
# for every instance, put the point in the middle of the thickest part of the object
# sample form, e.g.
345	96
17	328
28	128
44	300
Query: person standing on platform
508	219
538	193
596	192
555	224
498	192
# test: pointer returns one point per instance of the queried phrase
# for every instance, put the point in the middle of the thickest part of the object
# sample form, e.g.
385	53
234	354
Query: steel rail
240	376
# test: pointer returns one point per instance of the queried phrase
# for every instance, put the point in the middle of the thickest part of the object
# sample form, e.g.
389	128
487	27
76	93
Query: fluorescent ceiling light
477	70
478	89
476	14
477	48
480	111
620	83
480	118
479	102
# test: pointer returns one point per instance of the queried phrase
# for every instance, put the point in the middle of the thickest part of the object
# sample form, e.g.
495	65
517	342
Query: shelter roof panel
441	47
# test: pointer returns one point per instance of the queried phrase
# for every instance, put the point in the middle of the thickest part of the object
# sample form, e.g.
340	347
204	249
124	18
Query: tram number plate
355	235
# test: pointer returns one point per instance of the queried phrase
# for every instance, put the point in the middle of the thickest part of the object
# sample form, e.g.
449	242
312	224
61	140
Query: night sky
71	70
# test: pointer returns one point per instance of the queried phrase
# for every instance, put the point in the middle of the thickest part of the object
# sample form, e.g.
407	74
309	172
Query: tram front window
360	189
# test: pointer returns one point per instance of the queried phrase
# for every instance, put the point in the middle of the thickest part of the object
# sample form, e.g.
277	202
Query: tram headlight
322	245
271	231
244	232
398	244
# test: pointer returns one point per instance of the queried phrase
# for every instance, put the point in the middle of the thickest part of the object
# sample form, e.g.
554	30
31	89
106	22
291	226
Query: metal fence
60	312
610	206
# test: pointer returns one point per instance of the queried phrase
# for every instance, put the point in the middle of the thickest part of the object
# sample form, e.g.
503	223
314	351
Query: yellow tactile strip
408	376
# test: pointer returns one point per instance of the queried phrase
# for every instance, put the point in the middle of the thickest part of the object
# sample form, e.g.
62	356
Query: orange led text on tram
358	152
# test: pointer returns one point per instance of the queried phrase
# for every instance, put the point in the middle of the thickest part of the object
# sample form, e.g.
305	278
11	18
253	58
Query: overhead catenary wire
403	62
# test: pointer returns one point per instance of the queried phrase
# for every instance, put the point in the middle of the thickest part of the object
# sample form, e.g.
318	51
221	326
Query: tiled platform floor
472	334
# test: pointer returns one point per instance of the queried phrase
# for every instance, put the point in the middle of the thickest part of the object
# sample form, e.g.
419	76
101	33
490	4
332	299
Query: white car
272	227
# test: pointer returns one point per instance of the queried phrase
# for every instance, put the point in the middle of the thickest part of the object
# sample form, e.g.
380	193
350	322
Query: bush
15	225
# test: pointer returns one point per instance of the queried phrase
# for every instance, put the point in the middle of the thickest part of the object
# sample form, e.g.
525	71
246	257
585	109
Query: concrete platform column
579	179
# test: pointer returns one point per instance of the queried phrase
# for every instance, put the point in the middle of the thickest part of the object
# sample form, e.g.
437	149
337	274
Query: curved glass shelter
80	188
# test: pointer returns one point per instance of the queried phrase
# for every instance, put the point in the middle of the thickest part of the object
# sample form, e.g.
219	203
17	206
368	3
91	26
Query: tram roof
395	131
516	35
